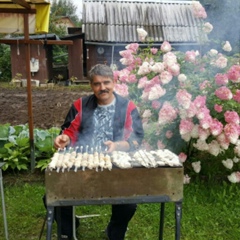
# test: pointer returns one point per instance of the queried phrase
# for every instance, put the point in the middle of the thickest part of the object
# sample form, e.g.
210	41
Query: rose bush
189	101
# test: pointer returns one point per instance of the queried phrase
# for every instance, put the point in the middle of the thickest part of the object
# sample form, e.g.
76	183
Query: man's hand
61	141
111	146
117	146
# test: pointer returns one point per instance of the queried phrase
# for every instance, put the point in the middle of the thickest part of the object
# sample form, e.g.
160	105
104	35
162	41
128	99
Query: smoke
225	18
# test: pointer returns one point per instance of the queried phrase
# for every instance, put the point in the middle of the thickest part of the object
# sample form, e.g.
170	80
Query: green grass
210	212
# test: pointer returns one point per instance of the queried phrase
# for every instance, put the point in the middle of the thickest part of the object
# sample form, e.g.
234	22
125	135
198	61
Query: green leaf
4	131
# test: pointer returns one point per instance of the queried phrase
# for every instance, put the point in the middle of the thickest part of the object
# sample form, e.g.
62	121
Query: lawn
210	212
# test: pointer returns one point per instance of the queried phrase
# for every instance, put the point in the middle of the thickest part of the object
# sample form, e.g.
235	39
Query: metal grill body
118	186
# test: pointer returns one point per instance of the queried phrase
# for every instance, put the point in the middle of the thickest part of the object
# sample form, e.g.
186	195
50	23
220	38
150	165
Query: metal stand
3	202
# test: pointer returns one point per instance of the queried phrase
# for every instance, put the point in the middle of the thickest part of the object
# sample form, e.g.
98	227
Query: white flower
227	47
213	52
201	145
234	177
196	166
182	77
214	148
141	34
227	163
235	160
186	179
147	113
207	27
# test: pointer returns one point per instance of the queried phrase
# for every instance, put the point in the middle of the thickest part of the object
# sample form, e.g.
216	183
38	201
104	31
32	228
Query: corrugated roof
117	21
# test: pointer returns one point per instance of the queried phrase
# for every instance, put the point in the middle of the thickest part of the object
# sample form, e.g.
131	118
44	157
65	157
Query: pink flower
154	50
165	77
192	110
169	134
221	62
190	56
123	75
132	78
186	126
204	85
223	141
202	112
166	47
198	10
127	61
167	114
174	69
234	177
121	89
223	93
234	73
231	117
133	47
203	133
200	101
156	92
160	145
221	79
206	122
218	108
182	157
142	82
169	58
184	98
231	132
216	127
236	96
126	53
142	34
156	104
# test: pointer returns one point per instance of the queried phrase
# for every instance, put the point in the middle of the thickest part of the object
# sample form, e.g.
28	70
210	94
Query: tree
60	8
5	63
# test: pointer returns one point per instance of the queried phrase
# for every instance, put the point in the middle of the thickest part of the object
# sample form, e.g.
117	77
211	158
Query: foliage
189	101
65	8
15	146
5	63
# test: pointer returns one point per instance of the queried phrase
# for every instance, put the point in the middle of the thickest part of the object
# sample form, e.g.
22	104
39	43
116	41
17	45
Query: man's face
103	89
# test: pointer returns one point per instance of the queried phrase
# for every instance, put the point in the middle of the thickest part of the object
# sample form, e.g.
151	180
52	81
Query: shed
109	25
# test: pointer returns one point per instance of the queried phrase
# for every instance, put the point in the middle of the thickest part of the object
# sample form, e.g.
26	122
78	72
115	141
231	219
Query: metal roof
117	21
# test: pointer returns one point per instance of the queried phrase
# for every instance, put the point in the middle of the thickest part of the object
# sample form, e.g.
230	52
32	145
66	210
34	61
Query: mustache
103	91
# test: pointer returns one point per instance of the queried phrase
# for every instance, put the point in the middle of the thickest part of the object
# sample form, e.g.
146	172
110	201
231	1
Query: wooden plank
17	10
38	42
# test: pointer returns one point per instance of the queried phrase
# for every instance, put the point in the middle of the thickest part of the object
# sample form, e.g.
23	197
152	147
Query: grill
118	186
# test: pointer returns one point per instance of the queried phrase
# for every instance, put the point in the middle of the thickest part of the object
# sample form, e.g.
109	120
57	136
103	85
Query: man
102	119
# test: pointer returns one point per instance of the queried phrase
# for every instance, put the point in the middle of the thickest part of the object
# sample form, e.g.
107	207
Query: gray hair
100	70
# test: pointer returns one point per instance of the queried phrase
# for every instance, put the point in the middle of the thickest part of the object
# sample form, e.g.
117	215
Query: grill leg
50	214
161	221
74	224
178	216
